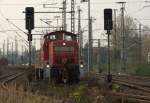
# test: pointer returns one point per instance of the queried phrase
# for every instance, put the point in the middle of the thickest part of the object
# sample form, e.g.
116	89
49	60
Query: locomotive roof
69	33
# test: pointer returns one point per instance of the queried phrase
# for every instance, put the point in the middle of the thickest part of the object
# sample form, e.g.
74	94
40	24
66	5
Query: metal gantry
89	35
123	37
140	44
115	37
64	25
4	48
73	16
123	54
80	39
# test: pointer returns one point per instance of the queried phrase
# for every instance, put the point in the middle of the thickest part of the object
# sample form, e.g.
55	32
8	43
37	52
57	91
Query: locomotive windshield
53	37
61	36
69	37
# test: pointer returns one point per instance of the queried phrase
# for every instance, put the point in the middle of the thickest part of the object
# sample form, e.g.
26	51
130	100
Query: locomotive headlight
81	65
64	44
47	66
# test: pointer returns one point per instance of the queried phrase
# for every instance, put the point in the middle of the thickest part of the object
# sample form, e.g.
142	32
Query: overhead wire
12	24
1	25
26	42
137	11
16	26
135	1
137	20
38	4
41	3
140	4
16	4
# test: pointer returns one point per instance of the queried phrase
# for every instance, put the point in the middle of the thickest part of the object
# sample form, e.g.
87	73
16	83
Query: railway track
133	82
9	77
127	96
141	81
134	87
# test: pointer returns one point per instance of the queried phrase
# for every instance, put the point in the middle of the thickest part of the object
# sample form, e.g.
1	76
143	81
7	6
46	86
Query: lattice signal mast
73	16
64	16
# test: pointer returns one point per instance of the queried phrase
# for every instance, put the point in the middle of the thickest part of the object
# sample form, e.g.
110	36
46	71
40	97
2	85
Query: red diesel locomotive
60	52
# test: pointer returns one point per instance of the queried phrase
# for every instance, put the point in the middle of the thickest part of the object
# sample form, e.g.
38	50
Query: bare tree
131	42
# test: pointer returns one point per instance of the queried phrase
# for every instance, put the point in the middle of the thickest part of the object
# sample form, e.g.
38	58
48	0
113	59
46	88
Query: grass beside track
12	96
78	93
144	70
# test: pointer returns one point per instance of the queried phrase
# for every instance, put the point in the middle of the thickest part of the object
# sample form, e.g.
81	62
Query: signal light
29	37
108	23
29	17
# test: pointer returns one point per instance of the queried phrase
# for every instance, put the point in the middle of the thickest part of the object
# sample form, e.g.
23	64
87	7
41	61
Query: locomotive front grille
59	60
64	49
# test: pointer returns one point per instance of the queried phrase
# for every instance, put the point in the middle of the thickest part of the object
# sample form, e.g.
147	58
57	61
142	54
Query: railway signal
29	11
108	26
29	17
29	37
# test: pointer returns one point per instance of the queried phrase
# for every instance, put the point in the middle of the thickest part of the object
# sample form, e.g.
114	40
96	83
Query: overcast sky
12	10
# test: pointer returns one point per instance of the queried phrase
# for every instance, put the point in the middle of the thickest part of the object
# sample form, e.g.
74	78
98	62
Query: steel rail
5	79
139	83
124	80
144	99
5	76
134	86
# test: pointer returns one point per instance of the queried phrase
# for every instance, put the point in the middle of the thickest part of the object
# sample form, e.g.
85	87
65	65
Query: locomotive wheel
73	76
65	76
55	76
69	74
76	75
